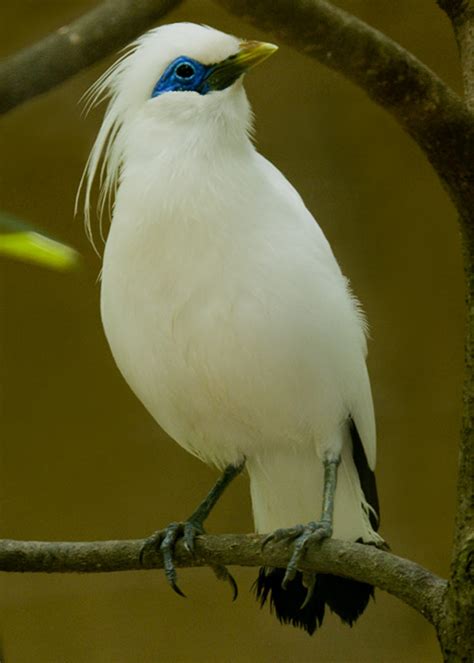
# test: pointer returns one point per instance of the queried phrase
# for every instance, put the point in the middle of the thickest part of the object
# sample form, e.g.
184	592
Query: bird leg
313	531
165	540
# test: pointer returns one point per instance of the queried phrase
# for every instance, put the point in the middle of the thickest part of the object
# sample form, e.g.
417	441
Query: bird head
183	80
219	63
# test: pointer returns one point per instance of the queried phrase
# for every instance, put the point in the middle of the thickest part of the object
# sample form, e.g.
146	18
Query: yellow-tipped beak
253	52
229	70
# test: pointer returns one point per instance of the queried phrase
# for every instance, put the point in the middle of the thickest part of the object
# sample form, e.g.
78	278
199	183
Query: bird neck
171	131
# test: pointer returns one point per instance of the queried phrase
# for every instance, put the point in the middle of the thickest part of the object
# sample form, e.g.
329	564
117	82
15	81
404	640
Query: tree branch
408	581
461	13
38	68
455	630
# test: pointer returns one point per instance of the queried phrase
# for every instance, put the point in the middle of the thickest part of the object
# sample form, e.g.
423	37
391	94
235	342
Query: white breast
226	311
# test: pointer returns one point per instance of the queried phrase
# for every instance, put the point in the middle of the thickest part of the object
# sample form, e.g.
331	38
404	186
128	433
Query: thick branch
402	578
74	47
461	13
455	629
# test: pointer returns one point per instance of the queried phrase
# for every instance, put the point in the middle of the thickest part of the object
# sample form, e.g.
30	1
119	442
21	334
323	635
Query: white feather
223	304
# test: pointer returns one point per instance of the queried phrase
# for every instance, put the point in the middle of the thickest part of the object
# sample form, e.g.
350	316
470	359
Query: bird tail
345	597
287	490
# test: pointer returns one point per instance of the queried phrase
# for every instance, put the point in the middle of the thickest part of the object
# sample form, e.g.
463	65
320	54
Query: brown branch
455	630
38	68
461	13
408	581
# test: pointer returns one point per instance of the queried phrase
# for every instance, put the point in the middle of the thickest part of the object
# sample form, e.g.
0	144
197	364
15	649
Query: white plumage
222	302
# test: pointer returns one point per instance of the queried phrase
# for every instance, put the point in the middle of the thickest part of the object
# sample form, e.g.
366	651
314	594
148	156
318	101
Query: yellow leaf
32	247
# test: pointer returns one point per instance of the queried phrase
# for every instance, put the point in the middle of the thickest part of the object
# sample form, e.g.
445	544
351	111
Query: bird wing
362	414
361	408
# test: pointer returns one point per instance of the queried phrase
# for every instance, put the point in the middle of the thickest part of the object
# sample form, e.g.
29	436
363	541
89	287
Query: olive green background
82	459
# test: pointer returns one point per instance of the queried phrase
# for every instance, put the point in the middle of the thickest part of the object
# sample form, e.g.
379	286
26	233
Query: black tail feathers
347	598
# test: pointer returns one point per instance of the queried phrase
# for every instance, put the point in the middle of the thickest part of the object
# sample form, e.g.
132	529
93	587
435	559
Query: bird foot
302	535
164	542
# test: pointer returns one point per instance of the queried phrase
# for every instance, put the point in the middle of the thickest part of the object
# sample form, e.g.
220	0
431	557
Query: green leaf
21	241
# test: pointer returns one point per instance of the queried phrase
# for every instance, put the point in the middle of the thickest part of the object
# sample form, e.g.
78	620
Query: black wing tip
366	476
345	597
287	602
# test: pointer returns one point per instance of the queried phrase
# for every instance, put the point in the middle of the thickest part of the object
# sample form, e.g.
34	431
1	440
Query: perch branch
408	581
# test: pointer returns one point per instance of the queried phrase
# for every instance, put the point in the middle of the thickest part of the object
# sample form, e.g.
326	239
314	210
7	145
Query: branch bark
461	13
456	633
407	580
38	68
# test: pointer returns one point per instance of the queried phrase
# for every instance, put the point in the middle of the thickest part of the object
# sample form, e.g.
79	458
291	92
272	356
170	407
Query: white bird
226	311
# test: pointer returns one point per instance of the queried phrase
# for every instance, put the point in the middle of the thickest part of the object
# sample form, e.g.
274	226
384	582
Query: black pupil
185	71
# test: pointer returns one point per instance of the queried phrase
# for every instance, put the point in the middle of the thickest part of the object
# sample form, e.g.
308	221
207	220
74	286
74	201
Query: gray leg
313	531
329	491
204	509
165	540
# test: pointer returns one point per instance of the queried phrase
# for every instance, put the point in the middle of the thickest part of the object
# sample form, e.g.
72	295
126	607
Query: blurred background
82	459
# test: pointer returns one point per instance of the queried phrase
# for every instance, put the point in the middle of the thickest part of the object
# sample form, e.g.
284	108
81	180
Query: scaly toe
172	533
288	533
151	544
164	541
190	531
311	533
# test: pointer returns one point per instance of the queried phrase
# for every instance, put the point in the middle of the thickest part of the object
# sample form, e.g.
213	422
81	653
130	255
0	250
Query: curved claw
222	573
313	531
165	541
190	531
172	532
309	581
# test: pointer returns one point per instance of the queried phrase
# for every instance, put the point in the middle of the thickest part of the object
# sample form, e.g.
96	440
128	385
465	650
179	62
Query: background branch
38	68
461	14
408	581
456	627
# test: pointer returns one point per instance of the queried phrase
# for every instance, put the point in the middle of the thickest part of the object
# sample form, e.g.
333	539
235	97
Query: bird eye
185	70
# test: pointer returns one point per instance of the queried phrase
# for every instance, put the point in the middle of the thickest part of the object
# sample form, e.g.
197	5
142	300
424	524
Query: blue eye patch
184	75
